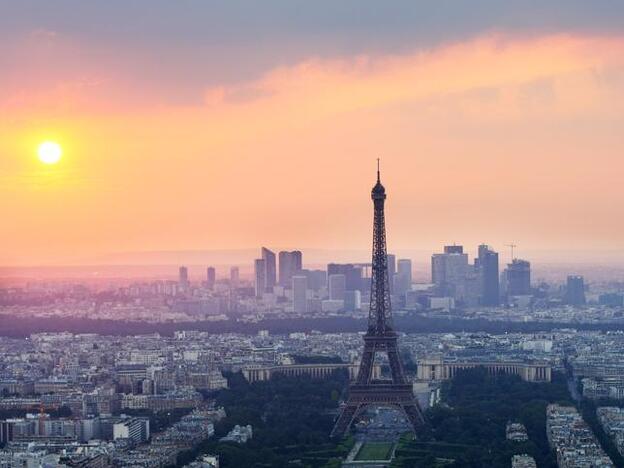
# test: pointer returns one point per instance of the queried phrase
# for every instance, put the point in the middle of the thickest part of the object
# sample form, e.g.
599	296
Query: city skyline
192	274
243	262
502	124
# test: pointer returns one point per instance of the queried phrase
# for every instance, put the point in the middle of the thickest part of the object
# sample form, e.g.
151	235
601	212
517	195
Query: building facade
436	368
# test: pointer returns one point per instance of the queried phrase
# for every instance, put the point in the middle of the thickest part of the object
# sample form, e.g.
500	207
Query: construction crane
512	246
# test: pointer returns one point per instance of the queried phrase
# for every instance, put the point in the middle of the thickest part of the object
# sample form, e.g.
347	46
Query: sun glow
49	152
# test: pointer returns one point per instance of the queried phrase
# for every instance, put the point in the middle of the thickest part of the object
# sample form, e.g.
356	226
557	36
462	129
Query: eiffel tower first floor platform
379	393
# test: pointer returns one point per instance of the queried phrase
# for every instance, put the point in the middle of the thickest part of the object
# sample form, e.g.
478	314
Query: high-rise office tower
449	270
271	270
438	275
260	276
403	277
391	270
290	264
211	276
234	277
404	268
337	286
518	278
487	266
575	290
183	277
472	287
351	272
300	290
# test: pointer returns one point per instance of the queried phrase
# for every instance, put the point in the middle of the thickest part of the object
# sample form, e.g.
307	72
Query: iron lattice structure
380	338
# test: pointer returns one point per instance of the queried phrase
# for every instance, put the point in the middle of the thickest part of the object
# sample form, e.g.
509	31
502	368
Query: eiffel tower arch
380	337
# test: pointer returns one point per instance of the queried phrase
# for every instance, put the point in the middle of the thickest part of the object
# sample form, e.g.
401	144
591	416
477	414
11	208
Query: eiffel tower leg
414	415
365	371
345	419
395	364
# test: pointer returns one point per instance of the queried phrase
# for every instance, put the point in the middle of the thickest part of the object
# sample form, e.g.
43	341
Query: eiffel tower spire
380	337
379	319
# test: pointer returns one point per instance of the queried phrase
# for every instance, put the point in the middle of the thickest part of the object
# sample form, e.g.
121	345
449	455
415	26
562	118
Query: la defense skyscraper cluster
380	337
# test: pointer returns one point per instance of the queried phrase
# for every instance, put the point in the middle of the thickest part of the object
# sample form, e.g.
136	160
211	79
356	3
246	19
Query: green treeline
291	420
469	427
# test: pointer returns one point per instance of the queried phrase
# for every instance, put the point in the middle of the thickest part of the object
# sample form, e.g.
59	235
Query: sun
49	152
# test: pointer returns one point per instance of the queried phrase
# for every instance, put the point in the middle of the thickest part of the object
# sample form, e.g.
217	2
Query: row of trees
21	327
292	419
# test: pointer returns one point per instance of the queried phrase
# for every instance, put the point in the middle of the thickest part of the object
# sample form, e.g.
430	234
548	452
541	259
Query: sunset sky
191	125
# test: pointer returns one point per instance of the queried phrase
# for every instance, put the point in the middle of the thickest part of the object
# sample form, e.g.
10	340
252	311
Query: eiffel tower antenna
368	390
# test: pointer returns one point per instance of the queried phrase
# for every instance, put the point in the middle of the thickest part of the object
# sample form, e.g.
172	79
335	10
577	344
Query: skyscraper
260	276
183	277
337	287
300	289
449	271
269	264
575	290
234	277
518	278
391	270
290	264
487	266
404	268
351	272
403	277
211	276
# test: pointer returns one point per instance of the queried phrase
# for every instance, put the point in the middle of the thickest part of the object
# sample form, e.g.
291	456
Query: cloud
557	74
502	136
177	49
350	26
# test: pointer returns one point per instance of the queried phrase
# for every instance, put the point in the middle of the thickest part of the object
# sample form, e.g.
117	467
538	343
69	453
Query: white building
135	429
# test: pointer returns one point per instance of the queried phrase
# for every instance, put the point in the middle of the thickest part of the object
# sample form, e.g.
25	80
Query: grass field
375	451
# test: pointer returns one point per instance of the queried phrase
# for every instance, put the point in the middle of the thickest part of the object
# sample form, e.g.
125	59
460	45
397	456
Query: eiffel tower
380	337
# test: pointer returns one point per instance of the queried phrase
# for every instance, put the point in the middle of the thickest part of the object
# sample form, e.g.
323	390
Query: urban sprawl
87	399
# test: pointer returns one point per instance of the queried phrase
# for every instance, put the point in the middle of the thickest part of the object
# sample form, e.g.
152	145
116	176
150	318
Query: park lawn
375	451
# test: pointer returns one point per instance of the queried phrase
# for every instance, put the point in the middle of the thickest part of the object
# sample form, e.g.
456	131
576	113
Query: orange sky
496	138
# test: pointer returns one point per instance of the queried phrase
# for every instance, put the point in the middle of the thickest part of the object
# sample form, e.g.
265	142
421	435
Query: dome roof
378	188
